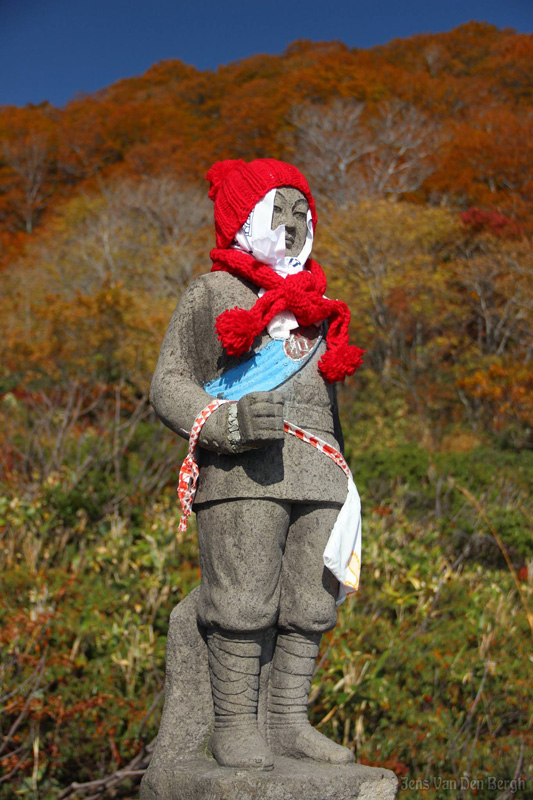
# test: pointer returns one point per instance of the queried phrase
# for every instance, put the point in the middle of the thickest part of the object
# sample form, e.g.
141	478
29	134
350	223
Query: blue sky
53	49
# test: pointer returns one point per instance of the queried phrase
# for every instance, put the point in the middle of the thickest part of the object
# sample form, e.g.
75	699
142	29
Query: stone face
290	209
182	768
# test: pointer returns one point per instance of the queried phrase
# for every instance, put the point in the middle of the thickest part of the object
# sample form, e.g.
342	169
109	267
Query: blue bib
266	369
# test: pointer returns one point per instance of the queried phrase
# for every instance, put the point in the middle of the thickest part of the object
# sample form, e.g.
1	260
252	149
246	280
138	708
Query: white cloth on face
267	246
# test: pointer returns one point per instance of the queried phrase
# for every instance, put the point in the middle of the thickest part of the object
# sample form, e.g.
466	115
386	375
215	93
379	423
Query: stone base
202	779
181	768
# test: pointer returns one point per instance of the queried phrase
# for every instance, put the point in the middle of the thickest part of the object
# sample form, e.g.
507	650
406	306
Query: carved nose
290	234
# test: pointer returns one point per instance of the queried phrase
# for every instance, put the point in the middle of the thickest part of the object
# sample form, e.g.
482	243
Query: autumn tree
150	235
483	165
27	165
405	143
351	151
328	143
385	257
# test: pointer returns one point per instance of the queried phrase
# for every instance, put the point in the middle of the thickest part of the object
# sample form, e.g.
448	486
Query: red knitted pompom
237	329
218	172
340	361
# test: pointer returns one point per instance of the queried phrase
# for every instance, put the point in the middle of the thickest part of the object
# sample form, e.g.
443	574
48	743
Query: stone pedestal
181	767
203	779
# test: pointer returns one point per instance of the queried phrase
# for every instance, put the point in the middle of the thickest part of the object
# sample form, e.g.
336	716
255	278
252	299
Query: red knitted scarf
302	294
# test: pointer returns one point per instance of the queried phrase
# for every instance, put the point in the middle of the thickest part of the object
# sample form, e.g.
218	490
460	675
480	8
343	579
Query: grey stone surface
235	668
191	355
203	779
181	767
260	419
262	566
241	649
288	728
187	718
290	209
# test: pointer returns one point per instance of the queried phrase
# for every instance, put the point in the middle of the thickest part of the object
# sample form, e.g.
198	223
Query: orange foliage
446	115
106	335
474	82
488	162
504	392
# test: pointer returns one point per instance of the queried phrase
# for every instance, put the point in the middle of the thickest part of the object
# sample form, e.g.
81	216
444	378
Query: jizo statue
247	372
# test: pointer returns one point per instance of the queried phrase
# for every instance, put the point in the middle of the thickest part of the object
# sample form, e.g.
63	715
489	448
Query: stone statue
247	371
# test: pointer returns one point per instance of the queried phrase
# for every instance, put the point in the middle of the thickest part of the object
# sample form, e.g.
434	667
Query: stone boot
234	667
289	730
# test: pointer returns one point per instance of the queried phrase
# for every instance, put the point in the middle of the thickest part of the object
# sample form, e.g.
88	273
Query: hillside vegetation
419	155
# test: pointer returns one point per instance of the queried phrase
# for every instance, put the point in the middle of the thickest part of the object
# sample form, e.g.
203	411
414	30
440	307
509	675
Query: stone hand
260	418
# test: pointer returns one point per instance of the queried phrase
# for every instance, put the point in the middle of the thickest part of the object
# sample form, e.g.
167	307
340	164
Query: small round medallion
300	343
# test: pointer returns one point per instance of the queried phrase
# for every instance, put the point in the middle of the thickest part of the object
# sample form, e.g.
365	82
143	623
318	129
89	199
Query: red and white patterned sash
320	444
188	478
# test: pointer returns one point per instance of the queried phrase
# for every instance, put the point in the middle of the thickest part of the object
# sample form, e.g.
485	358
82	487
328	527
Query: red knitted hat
236	187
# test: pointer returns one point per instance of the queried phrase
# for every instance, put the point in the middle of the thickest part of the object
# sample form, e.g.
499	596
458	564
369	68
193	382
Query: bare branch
135	769
29	157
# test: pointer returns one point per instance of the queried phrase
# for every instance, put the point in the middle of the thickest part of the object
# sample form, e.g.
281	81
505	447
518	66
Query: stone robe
191	355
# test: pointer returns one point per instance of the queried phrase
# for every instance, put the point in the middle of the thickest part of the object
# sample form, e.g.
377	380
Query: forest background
419	154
